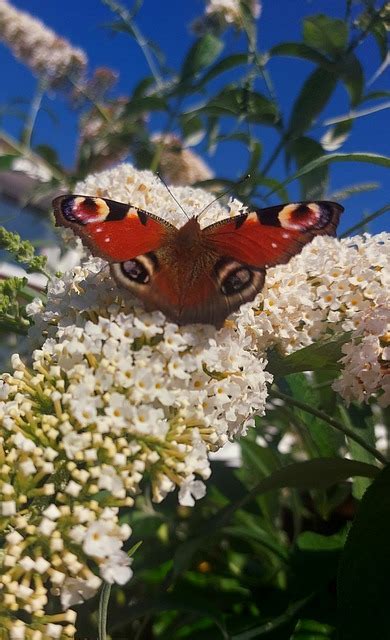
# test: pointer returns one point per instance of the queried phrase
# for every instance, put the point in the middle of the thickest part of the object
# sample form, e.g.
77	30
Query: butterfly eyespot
236	281
135	271
302	217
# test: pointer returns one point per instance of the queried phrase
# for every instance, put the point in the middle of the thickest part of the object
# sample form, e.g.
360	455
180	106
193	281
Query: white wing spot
99	229
107	239
285	235
274	245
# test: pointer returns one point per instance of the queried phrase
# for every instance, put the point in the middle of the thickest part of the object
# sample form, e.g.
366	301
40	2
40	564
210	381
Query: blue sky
167	23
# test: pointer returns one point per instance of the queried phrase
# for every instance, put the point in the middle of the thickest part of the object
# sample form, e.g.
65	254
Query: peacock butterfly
193	274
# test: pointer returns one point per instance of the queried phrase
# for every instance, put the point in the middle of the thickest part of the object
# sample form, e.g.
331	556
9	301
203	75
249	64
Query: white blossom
366	370
48	55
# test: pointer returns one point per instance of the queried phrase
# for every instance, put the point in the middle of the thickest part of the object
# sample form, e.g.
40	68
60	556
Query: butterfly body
193	274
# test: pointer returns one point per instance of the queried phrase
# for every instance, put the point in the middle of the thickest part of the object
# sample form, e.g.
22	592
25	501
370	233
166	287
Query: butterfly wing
250	243
111	230
266	237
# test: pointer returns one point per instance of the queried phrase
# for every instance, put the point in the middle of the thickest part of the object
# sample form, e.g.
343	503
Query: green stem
333	423
366	220
128	20
103	610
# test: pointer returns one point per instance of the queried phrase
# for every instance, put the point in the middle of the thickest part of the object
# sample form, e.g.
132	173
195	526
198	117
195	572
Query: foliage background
265	553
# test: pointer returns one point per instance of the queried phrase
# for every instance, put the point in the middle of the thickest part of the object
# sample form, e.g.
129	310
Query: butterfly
193	275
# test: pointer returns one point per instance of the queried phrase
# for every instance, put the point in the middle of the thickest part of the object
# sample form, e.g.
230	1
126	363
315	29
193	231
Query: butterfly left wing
111	230
266	237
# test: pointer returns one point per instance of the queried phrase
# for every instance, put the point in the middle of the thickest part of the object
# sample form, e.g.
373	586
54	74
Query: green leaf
325	34
320	439
202	53
313	185
371	158
312	630
352	75
380	34
363	581
303	51
319	356
140	90
354	419
256	151
238	102
335	136
192	129
200	607
47	153
320	473
235	60
6	161
312	541
143	105
272	625
311	100
272	183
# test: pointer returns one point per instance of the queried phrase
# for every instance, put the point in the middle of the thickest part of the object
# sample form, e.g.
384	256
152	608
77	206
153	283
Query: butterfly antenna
158	174
221	195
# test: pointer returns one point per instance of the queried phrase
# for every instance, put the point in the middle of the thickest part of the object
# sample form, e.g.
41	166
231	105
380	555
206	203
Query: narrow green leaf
235	60
313	185
319	356
311	100
203	52
326	34
376	95
371	158
103	610
362	223
363	581
352	75
300	50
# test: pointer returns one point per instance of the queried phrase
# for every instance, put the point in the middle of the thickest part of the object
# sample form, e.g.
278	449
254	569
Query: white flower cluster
366	363
49	56
113	393
321	292
231	11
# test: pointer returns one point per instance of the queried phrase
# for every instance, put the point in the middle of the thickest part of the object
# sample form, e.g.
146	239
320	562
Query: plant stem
22	150
366	220
334	423
128	20
34	110
103	609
